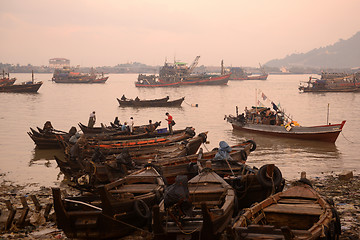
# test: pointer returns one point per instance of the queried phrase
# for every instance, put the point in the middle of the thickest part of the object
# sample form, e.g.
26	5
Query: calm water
67	104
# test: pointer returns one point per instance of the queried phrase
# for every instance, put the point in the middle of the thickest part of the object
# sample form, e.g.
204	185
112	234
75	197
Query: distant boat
67	75
332	83
7	80
238	73
179	74
163	102
26	87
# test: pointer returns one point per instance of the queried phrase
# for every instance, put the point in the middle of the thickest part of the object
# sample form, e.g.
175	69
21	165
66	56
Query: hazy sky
109	32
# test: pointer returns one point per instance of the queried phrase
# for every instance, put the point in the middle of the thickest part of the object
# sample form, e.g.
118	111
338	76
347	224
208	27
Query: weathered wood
302	209
38	207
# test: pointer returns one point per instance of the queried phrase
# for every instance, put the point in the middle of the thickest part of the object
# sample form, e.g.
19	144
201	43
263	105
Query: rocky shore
343	189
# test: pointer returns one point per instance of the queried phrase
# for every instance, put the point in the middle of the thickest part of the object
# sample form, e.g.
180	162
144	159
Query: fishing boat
163	102
296	213
238	73
25	87
68	75
6	80
179	74
277	123
117	210
324	133
332	83
114	130
200	208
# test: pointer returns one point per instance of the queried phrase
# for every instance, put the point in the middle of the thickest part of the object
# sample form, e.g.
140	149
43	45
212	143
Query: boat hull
21	88
149	103
325	133
257	77
196	80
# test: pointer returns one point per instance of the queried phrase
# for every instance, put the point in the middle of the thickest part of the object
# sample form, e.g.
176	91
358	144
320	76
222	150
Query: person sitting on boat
124	161
123	97
223	152
48	127
150	127
137	99
74	138
176	197
124	127
117	122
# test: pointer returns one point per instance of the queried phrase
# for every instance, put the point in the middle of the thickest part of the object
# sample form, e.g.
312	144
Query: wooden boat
238	73
120	208
114	130
170	167
210	206
26	87
325	133
150	103
296	213
46	140
99	80
349	83
88	173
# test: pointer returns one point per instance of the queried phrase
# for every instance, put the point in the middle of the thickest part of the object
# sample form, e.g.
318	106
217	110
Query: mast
32	76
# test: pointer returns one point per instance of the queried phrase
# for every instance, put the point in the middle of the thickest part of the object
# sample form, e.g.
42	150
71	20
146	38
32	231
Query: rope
196	105
346	138
127	224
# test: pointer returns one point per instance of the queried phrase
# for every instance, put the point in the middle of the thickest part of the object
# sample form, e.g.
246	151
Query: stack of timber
297	213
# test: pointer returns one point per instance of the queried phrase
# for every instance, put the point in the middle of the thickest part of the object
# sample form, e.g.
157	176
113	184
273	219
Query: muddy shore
344	193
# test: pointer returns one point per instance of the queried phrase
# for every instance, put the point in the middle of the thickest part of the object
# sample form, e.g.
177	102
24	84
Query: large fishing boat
179	74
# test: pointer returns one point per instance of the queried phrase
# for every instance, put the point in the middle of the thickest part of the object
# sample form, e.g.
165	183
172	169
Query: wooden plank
301	209
135	188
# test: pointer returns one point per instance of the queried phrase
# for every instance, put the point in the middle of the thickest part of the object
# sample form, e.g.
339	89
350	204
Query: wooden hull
212	209
324	133
299	212
257	77
100	80
21	88
150	103
124	207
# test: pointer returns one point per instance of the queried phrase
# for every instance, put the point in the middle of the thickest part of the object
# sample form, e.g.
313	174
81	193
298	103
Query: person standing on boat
170	122
131	124
92	119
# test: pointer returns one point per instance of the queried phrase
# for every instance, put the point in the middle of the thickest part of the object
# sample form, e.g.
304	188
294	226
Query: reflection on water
45	156
292	155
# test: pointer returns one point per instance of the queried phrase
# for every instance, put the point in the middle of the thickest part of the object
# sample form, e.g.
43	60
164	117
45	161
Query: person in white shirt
131	124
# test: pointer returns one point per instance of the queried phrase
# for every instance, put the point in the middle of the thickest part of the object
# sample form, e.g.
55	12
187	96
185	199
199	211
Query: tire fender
266	181
141	209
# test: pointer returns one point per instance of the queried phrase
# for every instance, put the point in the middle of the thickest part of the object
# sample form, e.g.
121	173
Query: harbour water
65	105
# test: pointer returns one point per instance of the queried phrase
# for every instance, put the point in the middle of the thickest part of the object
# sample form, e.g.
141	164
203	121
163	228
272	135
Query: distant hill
342	54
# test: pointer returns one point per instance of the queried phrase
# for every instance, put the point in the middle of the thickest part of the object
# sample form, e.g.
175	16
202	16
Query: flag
274	106
263	96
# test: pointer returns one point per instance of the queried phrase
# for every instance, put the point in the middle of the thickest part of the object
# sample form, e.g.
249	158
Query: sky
109	32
